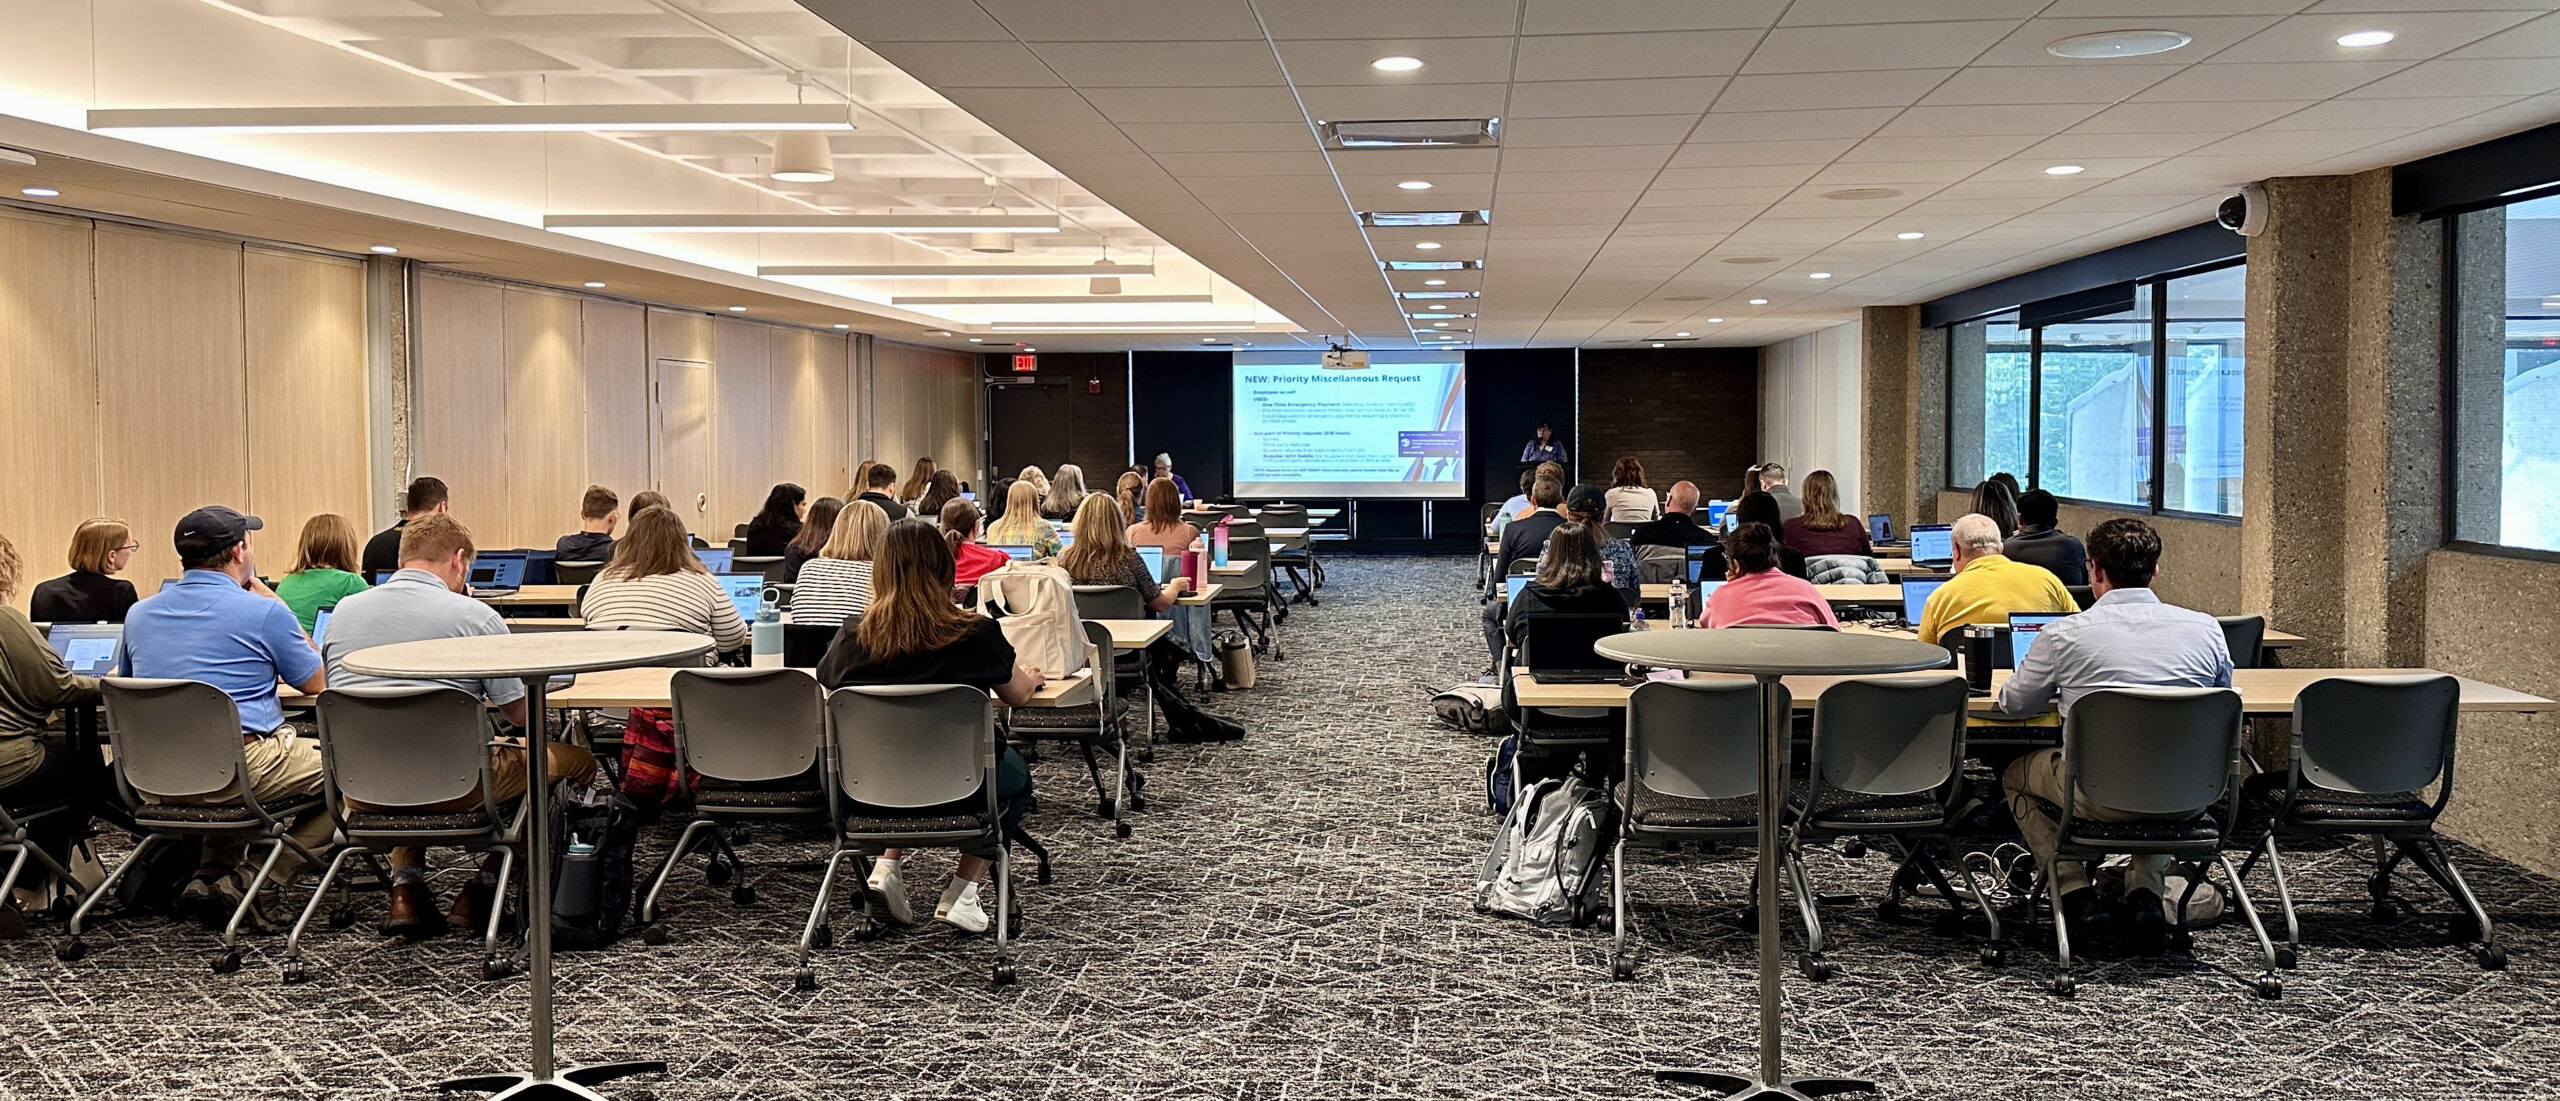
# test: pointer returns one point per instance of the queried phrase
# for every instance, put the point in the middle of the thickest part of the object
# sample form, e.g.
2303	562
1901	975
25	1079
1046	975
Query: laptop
1515	583
496	574
1933	545
89	649
1154	558
1066	537
380	576
2023	629
1556	649
1716	511
1698	567
1017	553
1915	596
320	626
1880	528
715	559
746	590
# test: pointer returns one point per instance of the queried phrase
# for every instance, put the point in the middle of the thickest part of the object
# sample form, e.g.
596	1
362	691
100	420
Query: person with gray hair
1164	469
1987	586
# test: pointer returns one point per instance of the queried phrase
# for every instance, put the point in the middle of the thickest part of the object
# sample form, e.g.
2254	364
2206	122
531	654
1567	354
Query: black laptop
1556	649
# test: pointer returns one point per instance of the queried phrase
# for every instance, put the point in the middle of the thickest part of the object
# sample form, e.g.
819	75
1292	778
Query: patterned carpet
1292	920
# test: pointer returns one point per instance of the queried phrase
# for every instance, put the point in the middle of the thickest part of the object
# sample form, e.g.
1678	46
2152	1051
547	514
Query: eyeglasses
130	547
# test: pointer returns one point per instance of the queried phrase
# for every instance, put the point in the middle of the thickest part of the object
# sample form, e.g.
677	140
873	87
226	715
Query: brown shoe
470	910
413	913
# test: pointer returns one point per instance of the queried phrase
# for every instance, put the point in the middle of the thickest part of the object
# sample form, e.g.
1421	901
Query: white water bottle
1679	610
766	635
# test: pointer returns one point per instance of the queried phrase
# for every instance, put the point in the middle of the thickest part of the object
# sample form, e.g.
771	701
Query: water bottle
767	634
1679	610
1218	544
1635	619
580	878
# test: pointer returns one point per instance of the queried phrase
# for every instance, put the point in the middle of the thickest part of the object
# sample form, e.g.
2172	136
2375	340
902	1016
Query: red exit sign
1025	365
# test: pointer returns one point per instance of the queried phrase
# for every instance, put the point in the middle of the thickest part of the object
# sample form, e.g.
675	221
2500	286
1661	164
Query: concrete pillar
2393	504
1889	374
2292	540
2480	247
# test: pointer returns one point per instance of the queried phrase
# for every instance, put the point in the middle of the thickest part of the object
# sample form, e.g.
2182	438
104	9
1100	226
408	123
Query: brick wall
1689	413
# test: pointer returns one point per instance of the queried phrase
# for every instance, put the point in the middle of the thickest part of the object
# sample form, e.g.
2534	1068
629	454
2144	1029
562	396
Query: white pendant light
992	242
802	156
1103	281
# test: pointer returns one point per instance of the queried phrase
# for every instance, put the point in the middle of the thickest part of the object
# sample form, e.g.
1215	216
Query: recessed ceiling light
386	250
1027	348
842	325
737	309
1759	301
2361	39
939	332
1863	194
1657	344
38	192
1397	64
2064	170
1426	246
1711	321
1909	235
1818	275
595	284
977	340
1439	324
1685	334
1415	185
1435	282
1750	259
2118	44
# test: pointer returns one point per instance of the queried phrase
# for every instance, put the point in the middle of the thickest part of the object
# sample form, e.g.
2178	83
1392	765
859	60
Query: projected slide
1387	430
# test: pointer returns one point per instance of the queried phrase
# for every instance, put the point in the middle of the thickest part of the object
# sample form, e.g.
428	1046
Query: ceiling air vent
1398	218
1412	133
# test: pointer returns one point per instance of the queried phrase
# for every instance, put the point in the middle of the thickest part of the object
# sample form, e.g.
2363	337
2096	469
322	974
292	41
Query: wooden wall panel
461	394
546	424
48	392
308	396
615	357
174	409
744	423
927	403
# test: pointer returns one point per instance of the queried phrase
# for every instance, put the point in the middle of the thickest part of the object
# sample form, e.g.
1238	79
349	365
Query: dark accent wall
1184	405
1097	424
1509	390
1689	413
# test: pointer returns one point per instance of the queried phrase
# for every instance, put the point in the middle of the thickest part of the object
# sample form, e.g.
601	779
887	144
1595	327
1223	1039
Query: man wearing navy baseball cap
220	625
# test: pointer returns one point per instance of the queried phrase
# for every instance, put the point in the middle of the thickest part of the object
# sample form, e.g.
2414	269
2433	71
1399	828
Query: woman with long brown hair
815	529
91	592
913	634
1066	493
1163	525
941	490
324	568
970	559
1824	529
1994	498
918	480
656	583
1630	501
1131	493
1101	555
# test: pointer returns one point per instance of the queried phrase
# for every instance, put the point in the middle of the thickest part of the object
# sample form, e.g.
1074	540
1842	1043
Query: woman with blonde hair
1021	525
836	585
324	568
1101	555
1823	529
91	592
1131	493
656	583
1039	481
1066	493
918	481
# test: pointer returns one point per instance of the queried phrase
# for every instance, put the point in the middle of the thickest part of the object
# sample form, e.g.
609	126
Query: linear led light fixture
808	223
478	118
1400	218
1410	133
1431	265
1041	299
1438	294
1120	327
945	271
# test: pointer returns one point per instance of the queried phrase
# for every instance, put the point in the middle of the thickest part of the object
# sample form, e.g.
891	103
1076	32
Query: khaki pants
2039	776
507	774
282	766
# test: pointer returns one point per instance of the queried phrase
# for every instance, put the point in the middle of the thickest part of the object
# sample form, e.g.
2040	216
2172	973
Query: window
2506	377
2138	408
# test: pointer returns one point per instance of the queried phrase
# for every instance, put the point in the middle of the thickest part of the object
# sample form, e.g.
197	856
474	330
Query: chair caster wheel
716	874
1994	955
2462	929
866	931
1121	828
1137	802
825	937
2065	986
70	951
743	895
295	973
654	934
2268	986
2284	956
804	980
342	917
1818	969
2493	957
1105	808
1889	910
227	962
2385	911
1004	973
1622	969
1147	756
1854	850
497	968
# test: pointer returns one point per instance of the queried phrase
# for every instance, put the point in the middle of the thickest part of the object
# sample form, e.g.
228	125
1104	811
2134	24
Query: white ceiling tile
2281	80
1691	180
2072	146
1569	182
1475	60
2404	5
2097	83
1897	173
1620	130
1598	157
1824	12
1409	163
1194	104
1579	16
1886	88
1729	175
2351	114
1317	183
1532	99
2308	145
1727	153
1247	137
1275	204
874	23
1844	49
2015	119
999	107
1786	125
2225	116
2419	36
1160	64
2536	38
1665	54
1939	148
1369	19
2480	77
1005	64
2093	170
1425	101
1050	137
1125	20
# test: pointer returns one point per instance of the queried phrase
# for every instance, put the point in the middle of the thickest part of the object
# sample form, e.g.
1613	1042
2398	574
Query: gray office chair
575	573
2082	595
17	845
181	766
1290	556
2170	755
2247	637
1551	733
1887	760
750	742
1619	529
2365	750
1484	535
394	761
768	565
1660	565
914	766
1692	774
1110	602
738	544
1102	725
1247	596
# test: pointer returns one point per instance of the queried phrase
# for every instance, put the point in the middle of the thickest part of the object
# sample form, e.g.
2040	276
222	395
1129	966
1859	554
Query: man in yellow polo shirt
1987	586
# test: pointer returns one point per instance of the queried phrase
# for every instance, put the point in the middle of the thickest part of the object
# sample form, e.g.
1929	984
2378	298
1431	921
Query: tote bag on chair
1036	606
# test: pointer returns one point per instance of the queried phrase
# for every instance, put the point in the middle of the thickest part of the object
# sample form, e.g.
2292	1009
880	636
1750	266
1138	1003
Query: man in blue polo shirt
220	625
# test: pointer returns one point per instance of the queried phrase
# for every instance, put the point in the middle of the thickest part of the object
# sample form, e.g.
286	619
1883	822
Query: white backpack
1546	855
1036	606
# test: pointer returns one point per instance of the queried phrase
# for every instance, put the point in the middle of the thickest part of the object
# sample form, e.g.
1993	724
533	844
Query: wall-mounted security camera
2246	212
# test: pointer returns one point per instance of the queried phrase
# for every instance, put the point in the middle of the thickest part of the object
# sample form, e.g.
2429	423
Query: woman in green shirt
324	571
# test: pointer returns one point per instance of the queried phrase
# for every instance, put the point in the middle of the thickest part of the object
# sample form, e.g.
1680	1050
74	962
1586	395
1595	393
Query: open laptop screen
2023	629
1517	582
497	571
1154	558
1933	543
715	559
1915	596
1716	511
320	628
746	590
89	649
1017	553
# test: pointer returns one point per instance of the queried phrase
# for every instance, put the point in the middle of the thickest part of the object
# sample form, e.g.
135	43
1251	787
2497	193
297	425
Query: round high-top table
534	659
1767	654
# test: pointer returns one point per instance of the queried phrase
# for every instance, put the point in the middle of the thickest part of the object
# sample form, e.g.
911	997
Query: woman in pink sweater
1757	591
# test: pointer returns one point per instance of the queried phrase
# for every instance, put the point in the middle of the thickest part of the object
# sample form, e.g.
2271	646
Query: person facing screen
656	583
1823	529
1163	525
324	568
815	529
1164	469
1066	493
777	523
970	560
837	583
1755	590
1021	525
91	592
918	480
1101	555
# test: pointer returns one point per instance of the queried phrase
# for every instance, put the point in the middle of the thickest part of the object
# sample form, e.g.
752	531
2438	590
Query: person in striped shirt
656	583
836	585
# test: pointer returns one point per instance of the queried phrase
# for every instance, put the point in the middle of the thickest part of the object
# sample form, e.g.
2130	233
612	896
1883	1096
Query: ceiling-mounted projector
1345	359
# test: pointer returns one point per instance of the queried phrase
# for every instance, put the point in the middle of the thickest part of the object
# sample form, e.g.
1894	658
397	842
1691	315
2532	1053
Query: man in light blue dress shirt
2127	639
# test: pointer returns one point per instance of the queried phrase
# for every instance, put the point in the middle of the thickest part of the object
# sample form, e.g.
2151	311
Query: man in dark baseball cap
220	625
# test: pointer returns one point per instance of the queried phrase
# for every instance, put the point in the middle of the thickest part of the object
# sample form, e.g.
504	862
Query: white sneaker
887	892
960	907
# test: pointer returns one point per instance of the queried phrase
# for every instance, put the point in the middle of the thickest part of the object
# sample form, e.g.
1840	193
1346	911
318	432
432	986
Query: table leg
1777	728
546	1082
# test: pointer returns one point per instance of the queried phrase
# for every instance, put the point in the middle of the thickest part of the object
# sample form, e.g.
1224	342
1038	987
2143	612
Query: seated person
1822	528
648	499
1022	525
2039	543
1518	503
1755	590
657	583
914	635
428	599
598	512
1986	585
1101	555
815	529
1630	500
1570	580
382	552
878	487
1522	541
1586	505
1761	508
1163	525
942	489
1678	526
971	560
217	623
39	769
836	585
323	568
2128	638
91	592
771	529
1163	468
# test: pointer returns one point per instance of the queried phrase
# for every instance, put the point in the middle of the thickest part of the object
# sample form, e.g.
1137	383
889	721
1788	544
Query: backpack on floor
1036	606
1474	708
1547	854
153	885
591	891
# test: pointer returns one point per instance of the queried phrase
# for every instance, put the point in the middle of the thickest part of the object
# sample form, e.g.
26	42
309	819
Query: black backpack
152	886
611	823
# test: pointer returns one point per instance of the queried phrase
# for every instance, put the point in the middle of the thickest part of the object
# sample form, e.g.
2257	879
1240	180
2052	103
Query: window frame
2449	380
2159	284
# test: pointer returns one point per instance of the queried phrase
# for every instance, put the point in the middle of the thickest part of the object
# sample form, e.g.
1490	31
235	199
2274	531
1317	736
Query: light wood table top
1126	634
2275	640
653	688
535	594
2262	691
1206	594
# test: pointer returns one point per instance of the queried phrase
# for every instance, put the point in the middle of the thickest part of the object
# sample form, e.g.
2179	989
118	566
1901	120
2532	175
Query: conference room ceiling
1662	163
